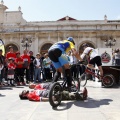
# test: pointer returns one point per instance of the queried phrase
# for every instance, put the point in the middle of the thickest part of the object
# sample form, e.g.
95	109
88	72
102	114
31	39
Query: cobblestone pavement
102	104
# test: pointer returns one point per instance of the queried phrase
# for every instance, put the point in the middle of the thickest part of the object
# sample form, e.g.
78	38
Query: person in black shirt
31	66
3	63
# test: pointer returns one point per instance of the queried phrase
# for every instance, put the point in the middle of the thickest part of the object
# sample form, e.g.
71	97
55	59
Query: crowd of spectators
23	68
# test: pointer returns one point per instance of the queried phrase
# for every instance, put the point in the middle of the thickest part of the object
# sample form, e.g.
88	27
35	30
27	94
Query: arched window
45	47
15	48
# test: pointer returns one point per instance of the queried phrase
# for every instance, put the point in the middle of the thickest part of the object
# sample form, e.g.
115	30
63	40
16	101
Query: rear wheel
83	79
108	80
55	95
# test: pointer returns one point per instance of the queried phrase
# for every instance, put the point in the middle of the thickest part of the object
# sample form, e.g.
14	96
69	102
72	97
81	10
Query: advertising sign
106	56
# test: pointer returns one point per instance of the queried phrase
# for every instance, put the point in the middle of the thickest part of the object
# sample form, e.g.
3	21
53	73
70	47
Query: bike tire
55	92
108	80
83	79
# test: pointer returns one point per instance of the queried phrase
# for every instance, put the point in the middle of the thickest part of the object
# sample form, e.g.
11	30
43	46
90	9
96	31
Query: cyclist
57	55
94	58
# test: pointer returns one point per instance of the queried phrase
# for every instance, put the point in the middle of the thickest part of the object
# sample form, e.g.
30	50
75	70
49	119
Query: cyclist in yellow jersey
57	55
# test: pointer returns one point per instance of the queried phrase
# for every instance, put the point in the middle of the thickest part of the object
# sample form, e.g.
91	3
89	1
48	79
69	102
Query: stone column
36	45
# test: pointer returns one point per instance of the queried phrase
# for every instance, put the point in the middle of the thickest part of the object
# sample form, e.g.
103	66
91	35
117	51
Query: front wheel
83	79
108	80
55	95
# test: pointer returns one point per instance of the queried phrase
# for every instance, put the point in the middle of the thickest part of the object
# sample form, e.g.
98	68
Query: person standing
31	66
26	65
3	63
19	69
37	68
11	72
73	62
47	65
11	54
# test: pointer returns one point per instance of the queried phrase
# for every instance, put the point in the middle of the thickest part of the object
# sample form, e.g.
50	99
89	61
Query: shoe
85	94
12	85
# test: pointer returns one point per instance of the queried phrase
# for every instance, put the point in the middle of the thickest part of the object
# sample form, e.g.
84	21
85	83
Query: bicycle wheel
83	79
55	95
75	85
108	80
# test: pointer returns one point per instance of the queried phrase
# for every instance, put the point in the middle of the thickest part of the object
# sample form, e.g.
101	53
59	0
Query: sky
52	10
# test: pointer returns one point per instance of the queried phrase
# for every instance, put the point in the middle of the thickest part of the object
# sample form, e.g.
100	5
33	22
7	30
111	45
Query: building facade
42	34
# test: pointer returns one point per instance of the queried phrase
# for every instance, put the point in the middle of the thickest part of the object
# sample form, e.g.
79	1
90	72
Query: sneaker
85	94
12	85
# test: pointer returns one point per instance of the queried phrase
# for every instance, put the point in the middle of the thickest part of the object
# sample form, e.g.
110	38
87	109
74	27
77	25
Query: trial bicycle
57	88
107	80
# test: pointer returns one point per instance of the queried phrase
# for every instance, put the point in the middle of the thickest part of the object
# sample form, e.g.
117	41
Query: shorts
58	59
96	60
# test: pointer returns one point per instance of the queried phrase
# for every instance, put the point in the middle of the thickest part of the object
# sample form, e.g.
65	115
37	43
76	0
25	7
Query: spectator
11	72
37	68
31	66
26	65
117	57
10	54
43	71
47	64
3	63
1	67
19	69
73	62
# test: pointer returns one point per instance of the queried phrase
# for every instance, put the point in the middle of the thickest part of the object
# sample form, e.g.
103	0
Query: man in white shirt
94	58
37	66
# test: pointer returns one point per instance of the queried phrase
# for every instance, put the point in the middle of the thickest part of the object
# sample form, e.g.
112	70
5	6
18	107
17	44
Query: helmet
85	45
71	40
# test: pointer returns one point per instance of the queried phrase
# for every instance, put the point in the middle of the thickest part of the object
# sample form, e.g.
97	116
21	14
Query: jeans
37	74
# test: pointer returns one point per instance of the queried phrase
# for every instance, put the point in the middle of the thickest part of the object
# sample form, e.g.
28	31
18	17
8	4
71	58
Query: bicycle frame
87	70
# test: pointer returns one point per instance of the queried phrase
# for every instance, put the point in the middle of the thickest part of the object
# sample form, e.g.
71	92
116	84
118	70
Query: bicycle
57	88
107	80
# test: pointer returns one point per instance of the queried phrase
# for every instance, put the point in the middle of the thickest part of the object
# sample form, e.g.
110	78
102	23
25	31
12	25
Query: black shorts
96	60
54	54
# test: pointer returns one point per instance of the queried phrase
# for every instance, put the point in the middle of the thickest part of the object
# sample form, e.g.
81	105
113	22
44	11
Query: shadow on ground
90	103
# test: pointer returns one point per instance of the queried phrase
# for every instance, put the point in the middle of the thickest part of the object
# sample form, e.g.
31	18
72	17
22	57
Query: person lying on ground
43	95
40	86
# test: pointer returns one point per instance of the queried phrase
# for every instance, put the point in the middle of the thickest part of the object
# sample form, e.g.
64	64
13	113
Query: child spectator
11	72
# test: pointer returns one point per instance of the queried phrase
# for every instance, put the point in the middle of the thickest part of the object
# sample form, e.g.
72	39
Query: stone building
14	30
